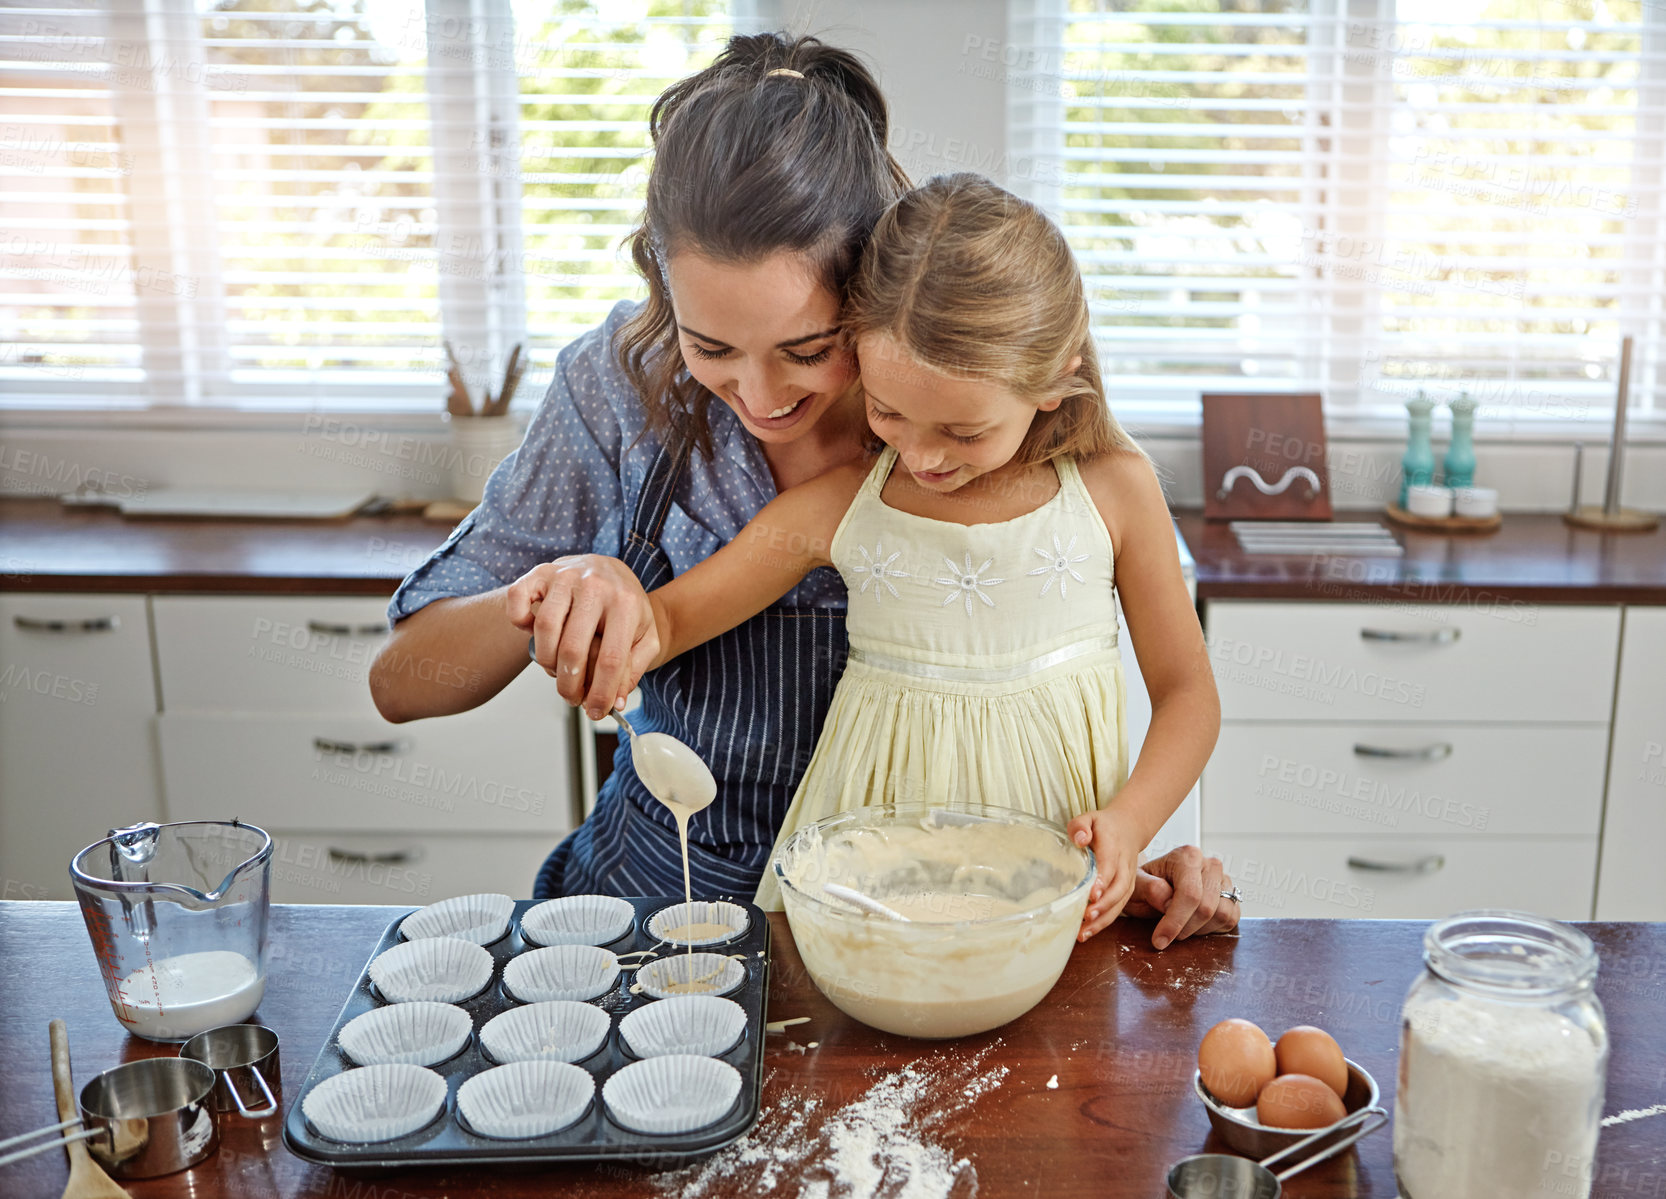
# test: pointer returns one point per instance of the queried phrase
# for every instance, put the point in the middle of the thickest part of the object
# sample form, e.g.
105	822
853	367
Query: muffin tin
597	1136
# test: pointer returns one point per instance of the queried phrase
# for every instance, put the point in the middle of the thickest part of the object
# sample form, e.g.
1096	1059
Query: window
1365	198
296	204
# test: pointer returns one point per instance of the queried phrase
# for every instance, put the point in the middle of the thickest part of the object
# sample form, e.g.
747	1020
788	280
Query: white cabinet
1408	761
1421	878
77	744
1501	663
267	716
1633	878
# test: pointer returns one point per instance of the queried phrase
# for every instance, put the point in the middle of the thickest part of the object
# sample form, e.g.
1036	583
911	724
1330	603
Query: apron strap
659	484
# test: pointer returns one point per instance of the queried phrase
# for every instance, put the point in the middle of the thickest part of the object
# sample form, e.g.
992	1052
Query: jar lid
1509	954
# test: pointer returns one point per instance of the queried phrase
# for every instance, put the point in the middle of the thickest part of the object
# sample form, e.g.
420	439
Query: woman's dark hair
751	161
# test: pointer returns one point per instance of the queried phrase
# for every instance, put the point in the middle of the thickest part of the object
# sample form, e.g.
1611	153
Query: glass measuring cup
177	917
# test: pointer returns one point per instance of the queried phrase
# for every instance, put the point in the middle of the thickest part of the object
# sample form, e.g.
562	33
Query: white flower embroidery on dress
876	572
1059	565
964	582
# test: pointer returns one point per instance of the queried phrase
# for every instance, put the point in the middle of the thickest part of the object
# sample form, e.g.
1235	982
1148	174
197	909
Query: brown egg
1312	1051
1236	1060
1298	1101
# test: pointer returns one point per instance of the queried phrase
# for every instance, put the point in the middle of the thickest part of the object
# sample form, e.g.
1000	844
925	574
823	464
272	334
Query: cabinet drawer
1312	877
1505	662
320	866
268	654
1405	780
466	773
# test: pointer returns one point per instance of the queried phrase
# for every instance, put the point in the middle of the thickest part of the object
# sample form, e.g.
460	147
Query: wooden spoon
86	1180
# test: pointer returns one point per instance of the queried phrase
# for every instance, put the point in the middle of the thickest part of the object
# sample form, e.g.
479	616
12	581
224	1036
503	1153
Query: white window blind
292	204
1360	197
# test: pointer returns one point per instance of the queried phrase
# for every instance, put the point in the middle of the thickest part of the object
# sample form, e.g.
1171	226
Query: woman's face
763	337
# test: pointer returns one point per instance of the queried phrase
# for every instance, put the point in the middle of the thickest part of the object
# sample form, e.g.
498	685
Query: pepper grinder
1460	454
1417	468
1611	517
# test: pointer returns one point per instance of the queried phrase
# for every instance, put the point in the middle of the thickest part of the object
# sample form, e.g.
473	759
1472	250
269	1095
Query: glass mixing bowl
995	897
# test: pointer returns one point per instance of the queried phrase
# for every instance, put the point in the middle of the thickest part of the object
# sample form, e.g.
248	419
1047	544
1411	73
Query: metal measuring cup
1225	1176
151	1117
243	1057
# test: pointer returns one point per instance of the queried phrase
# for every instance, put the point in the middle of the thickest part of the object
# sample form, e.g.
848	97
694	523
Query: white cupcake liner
704	1025
562	1030
717	974
577	920
525	1099
409	1034
663	1095
374	1103
481	919
438	969
561	972
704	911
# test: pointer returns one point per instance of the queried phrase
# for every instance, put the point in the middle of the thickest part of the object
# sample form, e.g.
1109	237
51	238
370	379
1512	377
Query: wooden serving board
1445	524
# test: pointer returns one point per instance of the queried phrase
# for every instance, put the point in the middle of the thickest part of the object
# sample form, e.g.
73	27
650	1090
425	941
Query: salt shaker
1503	1062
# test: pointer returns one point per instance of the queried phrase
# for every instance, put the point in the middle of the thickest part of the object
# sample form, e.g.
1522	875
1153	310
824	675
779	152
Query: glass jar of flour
1503	1062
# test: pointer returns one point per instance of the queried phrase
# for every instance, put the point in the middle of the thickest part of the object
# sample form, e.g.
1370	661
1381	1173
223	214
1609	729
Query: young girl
982	551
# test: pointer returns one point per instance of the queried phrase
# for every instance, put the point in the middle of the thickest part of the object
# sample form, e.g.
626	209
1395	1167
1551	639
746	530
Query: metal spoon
671	771
867	903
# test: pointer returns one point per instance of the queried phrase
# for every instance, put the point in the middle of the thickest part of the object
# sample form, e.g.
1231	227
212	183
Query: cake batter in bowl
994	898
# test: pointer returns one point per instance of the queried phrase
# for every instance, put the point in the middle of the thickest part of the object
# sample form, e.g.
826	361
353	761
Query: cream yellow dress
983	663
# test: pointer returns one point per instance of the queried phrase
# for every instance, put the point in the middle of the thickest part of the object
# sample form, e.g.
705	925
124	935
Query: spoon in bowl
867	903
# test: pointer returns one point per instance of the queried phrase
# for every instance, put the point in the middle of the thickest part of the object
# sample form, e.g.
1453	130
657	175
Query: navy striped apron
750	702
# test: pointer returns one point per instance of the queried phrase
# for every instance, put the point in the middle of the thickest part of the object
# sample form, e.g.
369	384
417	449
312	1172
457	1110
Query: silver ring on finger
1235	895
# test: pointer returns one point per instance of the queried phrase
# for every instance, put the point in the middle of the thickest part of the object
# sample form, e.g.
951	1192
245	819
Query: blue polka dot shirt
573	485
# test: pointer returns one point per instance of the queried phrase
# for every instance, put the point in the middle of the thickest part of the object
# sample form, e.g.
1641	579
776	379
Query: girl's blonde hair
972	282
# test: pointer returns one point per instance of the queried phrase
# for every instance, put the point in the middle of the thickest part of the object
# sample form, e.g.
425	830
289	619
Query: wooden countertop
47	547
1119	1033
1533	558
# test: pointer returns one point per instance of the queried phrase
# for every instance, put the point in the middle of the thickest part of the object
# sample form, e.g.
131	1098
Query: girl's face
763	337
946	431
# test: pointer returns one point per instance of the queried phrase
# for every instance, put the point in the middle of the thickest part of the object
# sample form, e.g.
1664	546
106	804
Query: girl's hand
1116	855
592	626
1184	887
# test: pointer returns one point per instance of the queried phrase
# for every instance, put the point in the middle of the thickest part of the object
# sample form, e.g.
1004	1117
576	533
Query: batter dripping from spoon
674	774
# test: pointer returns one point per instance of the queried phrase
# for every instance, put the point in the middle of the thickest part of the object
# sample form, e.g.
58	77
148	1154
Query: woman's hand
592	627
1116	855
1183	888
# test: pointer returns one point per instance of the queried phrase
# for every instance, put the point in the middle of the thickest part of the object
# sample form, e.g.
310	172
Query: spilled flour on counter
878	1145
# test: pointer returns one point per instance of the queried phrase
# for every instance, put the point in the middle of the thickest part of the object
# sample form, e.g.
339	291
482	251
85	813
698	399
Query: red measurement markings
103	935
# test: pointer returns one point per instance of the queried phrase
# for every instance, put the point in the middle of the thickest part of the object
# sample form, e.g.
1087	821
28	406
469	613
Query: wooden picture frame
1264	457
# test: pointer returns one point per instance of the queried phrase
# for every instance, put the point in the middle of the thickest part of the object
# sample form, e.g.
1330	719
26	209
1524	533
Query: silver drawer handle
325	745
1439	751
1431	637
1424	865
397	857
324	629
96	624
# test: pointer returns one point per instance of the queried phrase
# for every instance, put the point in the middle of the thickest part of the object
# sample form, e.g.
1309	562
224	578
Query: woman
769	171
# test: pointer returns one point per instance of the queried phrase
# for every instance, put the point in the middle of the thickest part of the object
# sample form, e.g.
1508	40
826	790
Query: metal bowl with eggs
992	899
1240	1129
